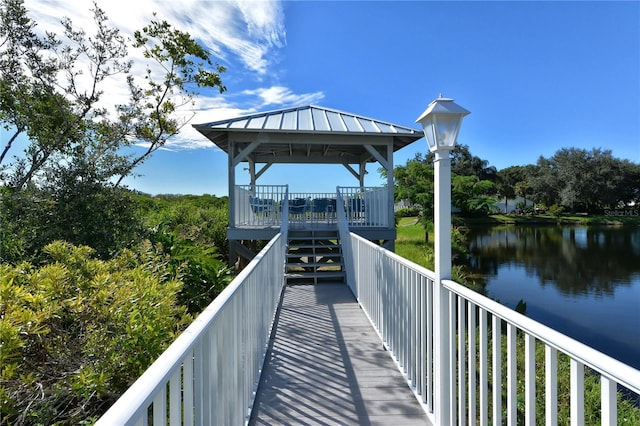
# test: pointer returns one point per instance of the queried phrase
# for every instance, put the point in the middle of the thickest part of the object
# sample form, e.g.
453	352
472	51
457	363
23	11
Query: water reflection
575	260
581	281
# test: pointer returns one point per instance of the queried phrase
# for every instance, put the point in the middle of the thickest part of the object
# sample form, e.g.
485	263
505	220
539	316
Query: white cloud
246	31
245	34
279	95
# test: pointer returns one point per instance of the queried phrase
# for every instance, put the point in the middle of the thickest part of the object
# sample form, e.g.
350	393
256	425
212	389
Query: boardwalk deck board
327	366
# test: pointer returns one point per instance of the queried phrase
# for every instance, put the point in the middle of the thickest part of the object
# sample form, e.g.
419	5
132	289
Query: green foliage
577	179
411	244
407	212
556	210
203	274
414	182
192	231
79	212
76	331
471	195
473	183
201	219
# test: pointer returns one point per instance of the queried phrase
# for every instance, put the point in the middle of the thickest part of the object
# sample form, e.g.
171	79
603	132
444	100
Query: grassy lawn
410	242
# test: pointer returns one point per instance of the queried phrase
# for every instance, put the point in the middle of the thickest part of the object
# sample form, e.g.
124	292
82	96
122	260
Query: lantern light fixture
441	123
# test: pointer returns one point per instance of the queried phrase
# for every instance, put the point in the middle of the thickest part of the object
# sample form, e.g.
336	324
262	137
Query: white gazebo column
390	245
441	123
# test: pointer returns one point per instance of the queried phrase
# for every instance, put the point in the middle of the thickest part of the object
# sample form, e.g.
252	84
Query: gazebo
307	135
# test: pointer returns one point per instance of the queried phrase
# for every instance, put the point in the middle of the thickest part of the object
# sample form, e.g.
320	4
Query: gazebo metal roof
309	134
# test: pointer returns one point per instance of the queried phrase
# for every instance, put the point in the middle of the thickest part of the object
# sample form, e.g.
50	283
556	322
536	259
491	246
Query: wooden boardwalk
327	366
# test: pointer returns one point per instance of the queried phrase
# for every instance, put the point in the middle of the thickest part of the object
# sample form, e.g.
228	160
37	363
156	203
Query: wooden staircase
314	257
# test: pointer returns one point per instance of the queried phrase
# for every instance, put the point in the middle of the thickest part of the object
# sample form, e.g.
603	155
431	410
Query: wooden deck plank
326	366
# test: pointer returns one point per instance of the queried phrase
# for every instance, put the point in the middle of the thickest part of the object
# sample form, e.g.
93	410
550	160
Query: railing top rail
263	186
603	364
360	188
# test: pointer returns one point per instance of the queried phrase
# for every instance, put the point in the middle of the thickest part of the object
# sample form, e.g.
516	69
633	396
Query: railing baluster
187	383
199	355
497	370
430	336
484	376
175	398
422	338
160	407
608	401
451	297
577	393
462	367
472	363
530	379
512	391
551	385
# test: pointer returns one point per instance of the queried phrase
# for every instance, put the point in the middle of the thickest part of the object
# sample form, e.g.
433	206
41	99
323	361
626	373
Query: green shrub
77	331
556	210
203	274
407	212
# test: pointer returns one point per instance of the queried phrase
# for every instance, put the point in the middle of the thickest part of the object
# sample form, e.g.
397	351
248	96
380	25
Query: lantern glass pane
430	134
447	128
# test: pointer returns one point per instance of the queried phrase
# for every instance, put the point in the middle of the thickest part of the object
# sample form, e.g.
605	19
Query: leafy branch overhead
186	65
53	92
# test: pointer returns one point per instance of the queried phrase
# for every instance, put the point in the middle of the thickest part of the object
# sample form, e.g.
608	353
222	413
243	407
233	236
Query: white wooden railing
397	295
209	375
366	206
257	206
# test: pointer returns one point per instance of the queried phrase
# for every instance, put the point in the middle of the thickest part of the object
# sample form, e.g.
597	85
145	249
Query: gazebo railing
366	206
261	206
258	205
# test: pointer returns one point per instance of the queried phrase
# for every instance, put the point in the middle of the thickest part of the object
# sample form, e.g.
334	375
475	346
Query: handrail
345	241
233	329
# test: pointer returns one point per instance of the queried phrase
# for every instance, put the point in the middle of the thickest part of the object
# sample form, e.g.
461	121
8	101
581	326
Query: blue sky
536	76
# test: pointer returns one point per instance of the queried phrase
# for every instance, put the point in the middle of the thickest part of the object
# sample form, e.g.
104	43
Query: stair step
315	264
296	255
325	274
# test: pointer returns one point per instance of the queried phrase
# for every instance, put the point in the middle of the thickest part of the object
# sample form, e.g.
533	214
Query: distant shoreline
546	219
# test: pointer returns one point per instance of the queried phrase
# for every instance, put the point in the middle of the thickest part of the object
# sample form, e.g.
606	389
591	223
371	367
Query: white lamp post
441	122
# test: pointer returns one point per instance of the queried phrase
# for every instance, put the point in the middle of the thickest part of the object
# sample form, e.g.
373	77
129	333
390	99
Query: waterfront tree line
573	180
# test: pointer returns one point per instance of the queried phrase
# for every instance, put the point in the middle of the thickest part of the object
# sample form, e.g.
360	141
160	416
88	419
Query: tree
472	195
53	91
507	180
150	114
64	118
414	182
55	113
463	163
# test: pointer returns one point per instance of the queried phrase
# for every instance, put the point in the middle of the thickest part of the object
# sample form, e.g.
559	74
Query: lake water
581	281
